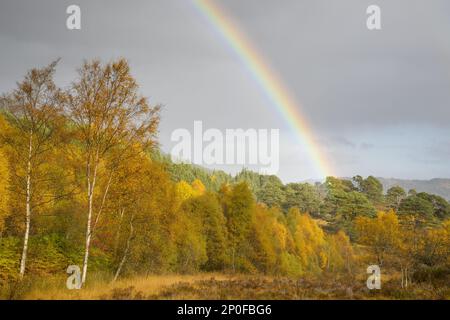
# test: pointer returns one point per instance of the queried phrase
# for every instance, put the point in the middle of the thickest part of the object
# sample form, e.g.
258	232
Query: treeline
82	182
404	231
337	201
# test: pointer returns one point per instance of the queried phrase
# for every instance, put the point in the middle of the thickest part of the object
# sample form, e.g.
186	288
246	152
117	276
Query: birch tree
33	113
109	115
128	189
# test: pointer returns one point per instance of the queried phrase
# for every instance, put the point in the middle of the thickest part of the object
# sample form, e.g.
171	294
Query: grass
198	286
100	288
220	286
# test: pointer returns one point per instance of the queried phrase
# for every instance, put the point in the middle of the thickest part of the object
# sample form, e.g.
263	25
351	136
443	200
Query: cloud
363	93
366	145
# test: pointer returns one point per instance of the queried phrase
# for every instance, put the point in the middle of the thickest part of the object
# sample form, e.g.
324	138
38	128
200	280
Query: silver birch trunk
23	261
91	187
125	254
406	277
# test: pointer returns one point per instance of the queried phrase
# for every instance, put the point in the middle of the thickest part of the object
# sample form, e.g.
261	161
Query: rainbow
267	79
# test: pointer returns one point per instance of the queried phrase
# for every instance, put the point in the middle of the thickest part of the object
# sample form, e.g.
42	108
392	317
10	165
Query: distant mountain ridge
436	186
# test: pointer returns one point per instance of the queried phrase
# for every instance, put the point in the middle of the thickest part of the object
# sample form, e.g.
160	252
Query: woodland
83	182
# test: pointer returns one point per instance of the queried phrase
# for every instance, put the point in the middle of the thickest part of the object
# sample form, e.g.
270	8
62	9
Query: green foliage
355	204
371	187
441	208
416	205
344	203
394	197
253	179
303	196
212	180
49	254
271	191
9	259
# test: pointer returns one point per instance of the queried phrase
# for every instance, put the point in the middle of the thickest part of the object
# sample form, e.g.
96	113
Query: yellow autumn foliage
4	186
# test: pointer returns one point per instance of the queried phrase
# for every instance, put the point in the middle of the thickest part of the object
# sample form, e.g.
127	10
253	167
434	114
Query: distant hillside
439	187
213	179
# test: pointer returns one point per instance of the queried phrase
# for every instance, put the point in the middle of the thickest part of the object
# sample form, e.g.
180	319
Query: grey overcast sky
377	101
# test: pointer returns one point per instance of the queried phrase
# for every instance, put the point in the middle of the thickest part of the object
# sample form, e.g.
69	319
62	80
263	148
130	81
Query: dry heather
223	286
99	288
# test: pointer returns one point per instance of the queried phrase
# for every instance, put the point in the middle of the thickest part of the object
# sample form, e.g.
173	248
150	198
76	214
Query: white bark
406	278
28	209
105	195
87	243
91	187
125	254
